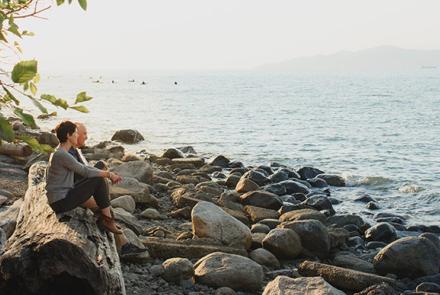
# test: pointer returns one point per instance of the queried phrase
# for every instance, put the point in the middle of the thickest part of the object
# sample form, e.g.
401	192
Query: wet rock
125	202
188	162
348	260
257	213
3	200
208	220
375	245
428	287
382	232
408	257
257	177
233	180
261	199
433	238
283	243
364	199
378	289
276	188
317	182
309	172
220	161
338	237
235	164
320	203
341	220
260	228
264	257
173	153
187	150
128	136
231	200
228	270
257	240
283	285
245	185
237	214
279	176
303	214
225	291
177	270
372	206
313	234
151	213
333	180
334	201
271	223
293	187
48	138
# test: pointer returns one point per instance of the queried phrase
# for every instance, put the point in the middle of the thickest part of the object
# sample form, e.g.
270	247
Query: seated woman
91	192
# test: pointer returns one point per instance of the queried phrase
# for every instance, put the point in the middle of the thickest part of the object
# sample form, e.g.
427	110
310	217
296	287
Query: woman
63	194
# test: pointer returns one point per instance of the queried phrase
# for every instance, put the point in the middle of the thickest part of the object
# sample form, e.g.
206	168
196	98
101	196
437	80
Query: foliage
21	82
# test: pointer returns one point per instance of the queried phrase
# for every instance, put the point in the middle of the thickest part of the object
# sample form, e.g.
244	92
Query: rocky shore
216	226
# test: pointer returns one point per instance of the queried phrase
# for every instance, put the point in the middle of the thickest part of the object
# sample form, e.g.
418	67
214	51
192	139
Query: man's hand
115	178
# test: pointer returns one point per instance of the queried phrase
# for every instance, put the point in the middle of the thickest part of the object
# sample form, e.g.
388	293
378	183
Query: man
122	244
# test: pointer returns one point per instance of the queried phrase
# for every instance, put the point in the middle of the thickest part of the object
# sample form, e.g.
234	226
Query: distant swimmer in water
175	83
143	83
113	81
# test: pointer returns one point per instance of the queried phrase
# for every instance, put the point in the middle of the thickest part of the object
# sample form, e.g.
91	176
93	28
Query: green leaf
27	33
27	119
50	98
3	37
38	104
36	78
35	145
24	71
55	101
59	2
81	109
6	131
10	95
33	88
82	96
83	4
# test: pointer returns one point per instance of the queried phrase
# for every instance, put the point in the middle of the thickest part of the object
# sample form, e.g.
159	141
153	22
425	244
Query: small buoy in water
143	83
175	83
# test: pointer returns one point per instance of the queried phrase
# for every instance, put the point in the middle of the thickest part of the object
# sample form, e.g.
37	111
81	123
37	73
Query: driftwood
17	150
58	254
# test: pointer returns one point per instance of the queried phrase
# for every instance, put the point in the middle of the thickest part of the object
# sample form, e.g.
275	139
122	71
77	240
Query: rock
317	182
172	153
156	270
375	245
408	257
209	221
260	228
184	213
170	248
228	270
271	223
225	291
138	190
303	214
264	257
3	200
257	213
279	176
428	287
129	136
256	176
188	150
378	289
177	270
237	214
140	170
284	243
313	234
245	185
48	138
338	237
345	279
196	162
128	157
334	180
8	218
309	172
220	161
382	232
276	189
364	199
293	187
125	202
257	240
232	180
432	237
372	206
231	200
283	285
341	220
319	203
128	219
151	213
348	260
261	199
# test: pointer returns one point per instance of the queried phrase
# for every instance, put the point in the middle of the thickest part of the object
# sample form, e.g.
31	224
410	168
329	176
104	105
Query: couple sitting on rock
72	183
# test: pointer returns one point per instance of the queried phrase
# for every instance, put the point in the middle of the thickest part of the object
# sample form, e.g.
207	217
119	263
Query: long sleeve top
60	174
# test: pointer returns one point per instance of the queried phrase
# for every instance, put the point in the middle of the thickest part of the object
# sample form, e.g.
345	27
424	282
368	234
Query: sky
222	35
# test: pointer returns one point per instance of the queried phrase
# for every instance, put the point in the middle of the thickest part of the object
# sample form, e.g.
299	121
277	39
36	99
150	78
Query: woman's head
66	132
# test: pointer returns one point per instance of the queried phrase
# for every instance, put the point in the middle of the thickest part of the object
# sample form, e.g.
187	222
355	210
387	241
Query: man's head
82	134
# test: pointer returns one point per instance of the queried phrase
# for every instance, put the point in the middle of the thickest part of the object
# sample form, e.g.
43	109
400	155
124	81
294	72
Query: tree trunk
58	254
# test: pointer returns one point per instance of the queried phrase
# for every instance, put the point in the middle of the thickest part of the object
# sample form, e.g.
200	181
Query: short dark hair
63	129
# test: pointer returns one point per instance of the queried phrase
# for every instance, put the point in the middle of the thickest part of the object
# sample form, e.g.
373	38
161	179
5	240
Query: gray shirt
60	174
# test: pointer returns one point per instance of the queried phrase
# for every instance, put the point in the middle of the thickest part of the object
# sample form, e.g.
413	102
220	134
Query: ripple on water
357	180
410	188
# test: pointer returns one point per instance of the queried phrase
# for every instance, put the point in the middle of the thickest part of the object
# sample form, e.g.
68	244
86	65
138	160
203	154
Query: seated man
122	244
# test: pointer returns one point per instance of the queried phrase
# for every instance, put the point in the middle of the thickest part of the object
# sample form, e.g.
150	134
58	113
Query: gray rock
228	270
276	188
264	257
309	172
334	180
382	232
177	270
257	177
173	153
245	185
341	220
319	203
151	213
260	228
283	285
293	187
408	257
220	161
140	170
428	287
372	206
129	136
279	176
284	243
348	260
317	182
303	214
261	199
138	190
225	291
125	202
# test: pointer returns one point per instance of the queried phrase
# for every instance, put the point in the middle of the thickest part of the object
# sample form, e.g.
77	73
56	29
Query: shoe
131	249
109	224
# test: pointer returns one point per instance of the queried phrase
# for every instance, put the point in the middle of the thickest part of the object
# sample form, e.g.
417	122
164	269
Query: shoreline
256	196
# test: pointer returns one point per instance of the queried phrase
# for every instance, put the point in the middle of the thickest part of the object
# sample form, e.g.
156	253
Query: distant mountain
377	59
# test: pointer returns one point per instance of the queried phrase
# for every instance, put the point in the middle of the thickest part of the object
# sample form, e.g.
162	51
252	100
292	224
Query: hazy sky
227	34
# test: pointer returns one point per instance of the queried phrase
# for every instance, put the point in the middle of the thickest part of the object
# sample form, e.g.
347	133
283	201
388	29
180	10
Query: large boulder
283	242
125	202
257	176
129	136
309	172
245	185
177	270
334	180
173	153
138	190
314	236
283	285
382	232
408	257
228	270
261	199
220	161
210	221
293	187
140	170
264	257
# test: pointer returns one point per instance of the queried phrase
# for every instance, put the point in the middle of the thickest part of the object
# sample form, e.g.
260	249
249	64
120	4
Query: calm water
380	132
